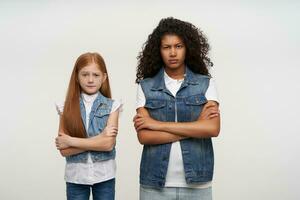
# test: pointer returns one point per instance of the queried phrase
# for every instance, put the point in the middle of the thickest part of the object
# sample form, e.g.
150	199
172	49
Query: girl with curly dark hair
177	113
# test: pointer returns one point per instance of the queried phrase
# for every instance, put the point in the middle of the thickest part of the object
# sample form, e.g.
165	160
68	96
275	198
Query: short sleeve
140	97
211	93
117	104
59	108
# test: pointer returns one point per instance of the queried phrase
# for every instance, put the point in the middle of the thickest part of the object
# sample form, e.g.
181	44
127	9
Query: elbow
109	146
142	137
63	153
142	141
215	132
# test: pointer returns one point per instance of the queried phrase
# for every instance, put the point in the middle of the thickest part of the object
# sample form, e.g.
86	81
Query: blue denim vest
197	154
98	118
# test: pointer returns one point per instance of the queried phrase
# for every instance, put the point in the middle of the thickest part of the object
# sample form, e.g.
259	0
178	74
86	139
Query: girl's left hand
145	122
62	141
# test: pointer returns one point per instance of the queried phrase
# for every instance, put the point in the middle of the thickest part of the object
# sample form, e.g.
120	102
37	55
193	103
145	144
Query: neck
175	73
89	97
91	94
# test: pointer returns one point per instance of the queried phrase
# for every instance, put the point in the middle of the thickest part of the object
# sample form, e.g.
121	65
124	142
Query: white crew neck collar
170	79
88	98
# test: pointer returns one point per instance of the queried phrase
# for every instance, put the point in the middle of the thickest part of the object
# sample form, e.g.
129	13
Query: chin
90	91
173	66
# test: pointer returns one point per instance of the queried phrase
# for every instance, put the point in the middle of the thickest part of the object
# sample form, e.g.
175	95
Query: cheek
80	81
183	54
99	83
163	55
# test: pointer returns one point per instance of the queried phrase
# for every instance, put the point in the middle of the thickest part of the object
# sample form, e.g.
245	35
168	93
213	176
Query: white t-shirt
91	172
175	174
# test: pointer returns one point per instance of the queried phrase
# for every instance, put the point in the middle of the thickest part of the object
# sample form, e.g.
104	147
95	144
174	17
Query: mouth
173	61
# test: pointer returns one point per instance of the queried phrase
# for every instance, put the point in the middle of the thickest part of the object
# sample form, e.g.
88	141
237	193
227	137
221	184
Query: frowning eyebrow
166	44
88	72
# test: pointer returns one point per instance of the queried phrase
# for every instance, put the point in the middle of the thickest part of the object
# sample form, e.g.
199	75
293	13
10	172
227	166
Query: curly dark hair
197	47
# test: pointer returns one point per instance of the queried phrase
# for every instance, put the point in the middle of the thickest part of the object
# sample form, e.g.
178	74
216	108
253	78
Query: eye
179	46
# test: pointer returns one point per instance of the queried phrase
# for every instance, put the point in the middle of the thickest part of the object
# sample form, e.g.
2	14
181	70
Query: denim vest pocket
100	119
187	105
196	100
100	113
194	105
157	108
155	104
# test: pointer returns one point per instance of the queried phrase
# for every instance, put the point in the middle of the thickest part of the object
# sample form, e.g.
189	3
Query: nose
173	52
90	79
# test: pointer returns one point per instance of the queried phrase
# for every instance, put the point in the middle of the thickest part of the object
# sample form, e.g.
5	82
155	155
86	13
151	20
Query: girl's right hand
63	141
110	131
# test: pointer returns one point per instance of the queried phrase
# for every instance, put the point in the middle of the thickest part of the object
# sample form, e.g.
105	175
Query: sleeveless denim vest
197	154
99	114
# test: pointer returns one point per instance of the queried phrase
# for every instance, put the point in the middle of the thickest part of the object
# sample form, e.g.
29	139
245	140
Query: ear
104	77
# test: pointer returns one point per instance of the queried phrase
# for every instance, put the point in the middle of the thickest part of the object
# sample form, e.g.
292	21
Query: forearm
207	125
195	129
70	151
146	136
97	143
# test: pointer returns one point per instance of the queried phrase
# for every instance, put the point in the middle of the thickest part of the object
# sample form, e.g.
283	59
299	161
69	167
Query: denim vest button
96	125
197	153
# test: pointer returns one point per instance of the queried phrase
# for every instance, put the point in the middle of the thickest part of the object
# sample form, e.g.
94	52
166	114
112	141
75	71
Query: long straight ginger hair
71	117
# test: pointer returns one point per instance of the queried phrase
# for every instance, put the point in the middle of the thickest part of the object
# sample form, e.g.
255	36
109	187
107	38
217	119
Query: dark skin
151	131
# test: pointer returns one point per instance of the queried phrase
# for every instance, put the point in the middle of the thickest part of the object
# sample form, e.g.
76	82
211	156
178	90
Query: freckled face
91	78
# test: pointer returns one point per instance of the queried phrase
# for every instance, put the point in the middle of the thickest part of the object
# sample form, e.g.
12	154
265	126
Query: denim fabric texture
101	191
173	193
198	156
98	119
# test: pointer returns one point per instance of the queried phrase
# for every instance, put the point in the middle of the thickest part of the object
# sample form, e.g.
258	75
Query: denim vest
98	118
197	154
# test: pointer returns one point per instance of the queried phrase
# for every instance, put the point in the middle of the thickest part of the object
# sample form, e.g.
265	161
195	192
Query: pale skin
90	80
151	131
105	141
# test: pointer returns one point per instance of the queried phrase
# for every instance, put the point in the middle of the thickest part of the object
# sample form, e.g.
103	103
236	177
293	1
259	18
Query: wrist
72	142
158	126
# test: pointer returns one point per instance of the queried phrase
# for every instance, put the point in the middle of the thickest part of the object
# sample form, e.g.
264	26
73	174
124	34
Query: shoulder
212	93
106	100
140	97
201	77
116	105
146	81
59	107
197	78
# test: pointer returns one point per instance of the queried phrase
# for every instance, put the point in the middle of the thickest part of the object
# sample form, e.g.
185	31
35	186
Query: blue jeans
174	193
101	191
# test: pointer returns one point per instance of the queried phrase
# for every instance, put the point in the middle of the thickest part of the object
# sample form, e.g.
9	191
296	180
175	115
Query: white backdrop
255	49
